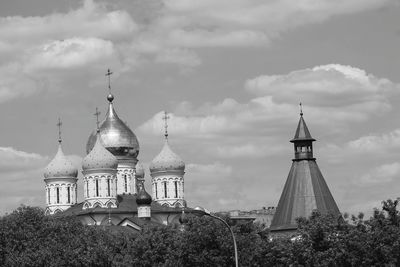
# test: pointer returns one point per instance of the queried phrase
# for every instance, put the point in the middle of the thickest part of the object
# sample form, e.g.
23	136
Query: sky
231	73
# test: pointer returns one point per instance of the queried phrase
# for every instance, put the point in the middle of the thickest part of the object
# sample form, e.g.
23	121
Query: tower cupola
60	179
302	140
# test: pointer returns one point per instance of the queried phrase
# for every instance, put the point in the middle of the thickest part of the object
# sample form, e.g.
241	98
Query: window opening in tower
165	189
126	183
108	187
58	195
69	194
176	189
97	188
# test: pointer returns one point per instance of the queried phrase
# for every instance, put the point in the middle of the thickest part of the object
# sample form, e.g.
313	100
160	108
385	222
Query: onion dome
99	158
60	167
139	170
167	160
115	135
143	198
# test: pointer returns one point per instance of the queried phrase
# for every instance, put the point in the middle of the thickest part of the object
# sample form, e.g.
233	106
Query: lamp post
202	211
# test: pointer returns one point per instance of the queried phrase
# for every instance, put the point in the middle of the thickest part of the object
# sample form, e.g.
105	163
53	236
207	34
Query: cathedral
113	179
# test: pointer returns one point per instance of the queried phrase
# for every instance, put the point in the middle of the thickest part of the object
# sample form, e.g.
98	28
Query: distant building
305	188
113	180
263	216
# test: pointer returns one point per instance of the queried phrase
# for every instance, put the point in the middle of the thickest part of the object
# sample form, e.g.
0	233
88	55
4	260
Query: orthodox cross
109	79
59	130
165	118
301	109
97	117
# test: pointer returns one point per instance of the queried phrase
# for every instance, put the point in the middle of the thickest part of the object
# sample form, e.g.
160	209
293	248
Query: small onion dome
167	160
60	167
115	135
139	170
143	198
99	158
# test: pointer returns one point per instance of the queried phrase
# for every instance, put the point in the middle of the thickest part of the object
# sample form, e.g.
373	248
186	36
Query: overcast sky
230	72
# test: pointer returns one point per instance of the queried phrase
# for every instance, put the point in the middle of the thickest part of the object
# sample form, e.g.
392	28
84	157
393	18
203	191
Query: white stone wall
144	211
103	196
129	173
63	203
158	188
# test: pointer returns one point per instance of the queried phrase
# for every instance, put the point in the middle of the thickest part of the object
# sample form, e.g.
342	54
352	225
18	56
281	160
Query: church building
113	179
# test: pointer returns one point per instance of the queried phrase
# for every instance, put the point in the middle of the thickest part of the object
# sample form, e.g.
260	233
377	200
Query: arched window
176	189
48	195
97	188
165	189
108	187
155	185
87	188
126	183
58	195
69	194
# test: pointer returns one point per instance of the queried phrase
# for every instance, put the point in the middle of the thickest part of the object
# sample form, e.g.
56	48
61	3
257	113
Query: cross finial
97	118
165	118
301	109
59	123
109	80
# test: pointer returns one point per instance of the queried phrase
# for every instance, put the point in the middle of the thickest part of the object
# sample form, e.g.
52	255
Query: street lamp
202	211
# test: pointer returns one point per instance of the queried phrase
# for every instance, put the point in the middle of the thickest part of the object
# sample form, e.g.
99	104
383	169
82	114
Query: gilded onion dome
167	160
99	158
115	135
139	170
60	167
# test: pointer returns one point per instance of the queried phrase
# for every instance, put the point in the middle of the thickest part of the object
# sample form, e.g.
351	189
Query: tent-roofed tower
305	189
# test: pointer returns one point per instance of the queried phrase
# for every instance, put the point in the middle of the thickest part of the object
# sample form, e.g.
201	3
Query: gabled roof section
302	132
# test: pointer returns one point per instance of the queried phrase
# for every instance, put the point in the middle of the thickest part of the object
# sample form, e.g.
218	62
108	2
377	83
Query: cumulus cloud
15	160
381	174
153	31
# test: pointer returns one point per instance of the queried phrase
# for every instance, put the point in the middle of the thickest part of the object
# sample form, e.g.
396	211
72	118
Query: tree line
28	238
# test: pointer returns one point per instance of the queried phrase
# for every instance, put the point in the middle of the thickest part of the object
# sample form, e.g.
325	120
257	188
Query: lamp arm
233	236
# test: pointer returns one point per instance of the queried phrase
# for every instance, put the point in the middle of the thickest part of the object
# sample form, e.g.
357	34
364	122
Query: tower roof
305	190
167	160
302	132
115	135
60	166
143	198
99	158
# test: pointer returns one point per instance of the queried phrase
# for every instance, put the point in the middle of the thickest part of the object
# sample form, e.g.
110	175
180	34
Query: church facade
113	179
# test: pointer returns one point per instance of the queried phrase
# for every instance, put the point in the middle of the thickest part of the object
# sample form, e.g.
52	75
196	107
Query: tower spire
59	124
165	118
110	97
301	109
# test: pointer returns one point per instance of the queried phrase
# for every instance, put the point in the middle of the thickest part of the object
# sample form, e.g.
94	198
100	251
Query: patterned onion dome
139	170
60	167
167	160
99	158
143	198
115	135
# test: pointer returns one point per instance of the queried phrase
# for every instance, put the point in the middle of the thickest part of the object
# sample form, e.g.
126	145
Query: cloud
21	176
382	174
71	53
15	160
376	143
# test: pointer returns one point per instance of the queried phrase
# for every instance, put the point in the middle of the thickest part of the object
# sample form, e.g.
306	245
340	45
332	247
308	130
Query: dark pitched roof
305	190
302	132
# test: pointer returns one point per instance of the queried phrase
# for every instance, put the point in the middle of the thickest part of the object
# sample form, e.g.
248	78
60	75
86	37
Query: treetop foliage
28	238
